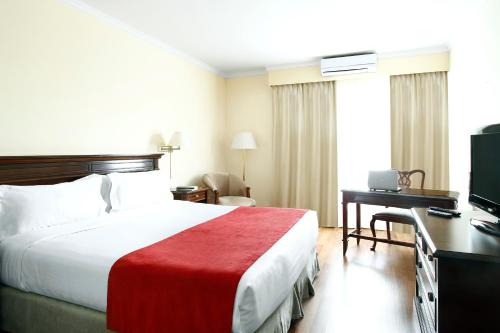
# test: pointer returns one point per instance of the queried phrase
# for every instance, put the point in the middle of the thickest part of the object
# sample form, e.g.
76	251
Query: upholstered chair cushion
399	215
236	201
236	186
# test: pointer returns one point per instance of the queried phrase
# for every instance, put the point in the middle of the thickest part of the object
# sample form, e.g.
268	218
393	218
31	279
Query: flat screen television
485	173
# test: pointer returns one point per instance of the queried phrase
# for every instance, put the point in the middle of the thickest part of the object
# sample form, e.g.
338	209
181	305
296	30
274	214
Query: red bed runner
187	282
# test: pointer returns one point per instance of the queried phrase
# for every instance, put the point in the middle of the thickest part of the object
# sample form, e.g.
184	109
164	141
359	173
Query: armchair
228	189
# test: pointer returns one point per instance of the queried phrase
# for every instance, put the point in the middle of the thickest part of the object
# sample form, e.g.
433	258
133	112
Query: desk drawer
426	286
418	237
197	196
425	266
426	256
427	300
431	262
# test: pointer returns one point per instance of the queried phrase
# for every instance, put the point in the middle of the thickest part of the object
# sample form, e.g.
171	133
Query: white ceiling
235	36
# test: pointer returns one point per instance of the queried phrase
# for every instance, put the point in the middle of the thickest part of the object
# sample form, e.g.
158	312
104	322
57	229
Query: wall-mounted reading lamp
177	141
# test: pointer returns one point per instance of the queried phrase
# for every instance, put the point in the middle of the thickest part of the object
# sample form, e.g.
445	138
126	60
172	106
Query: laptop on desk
386	180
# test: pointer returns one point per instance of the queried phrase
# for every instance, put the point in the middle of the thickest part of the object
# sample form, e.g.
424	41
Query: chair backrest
405	178
217	181
225	183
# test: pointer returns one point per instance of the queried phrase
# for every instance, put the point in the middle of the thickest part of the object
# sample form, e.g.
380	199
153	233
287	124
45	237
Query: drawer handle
430	296
430	257
419	264
419	234
420	300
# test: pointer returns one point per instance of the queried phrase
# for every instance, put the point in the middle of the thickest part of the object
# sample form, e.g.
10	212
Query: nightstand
199	195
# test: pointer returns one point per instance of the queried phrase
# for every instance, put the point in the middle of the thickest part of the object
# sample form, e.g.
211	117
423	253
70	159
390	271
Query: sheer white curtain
305	148
419	126
363	137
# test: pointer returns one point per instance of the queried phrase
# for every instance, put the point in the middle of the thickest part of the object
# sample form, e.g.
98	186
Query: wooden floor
363	292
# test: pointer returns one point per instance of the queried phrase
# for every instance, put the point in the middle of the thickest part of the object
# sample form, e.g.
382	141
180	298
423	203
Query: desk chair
397	215
229	190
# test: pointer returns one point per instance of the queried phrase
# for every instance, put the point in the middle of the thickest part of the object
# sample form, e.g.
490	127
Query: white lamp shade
244	140
179	139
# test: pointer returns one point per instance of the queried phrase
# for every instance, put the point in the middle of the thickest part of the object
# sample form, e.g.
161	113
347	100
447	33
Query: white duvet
71	262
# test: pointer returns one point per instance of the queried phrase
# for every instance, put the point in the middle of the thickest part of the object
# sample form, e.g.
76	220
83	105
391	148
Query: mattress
71	262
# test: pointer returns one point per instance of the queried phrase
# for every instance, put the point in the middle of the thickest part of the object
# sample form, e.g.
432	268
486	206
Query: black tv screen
485	172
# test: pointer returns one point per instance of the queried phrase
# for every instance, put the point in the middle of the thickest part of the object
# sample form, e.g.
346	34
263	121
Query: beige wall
73	84
249	109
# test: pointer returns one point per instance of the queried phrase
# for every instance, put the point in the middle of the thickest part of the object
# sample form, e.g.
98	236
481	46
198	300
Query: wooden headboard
40	170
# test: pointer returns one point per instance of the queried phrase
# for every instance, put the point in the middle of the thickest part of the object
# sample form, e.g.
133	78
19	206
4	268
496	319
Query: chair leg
372	227
358	222
388	225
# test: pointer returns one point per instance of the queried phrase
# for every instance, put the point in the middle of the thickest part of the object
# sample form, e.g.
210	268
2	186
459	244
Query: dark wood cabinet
457	275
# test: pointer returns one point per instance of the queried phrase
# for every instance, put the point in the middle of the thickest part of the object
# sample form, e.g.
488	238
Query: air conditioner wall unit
351	64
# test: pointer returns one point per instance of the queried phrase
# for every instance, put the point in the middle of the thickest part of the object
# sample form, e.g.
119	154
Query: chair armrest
216	197
210	183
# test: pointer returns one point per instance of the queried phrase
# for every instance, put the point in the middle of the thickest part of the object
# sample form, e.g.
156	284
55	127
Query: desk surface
410	192
456	237
406	198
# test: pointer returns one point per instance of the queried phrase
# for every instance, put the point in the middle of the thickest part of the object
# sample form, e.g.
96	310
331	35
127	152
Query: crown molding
416	52
236	74
113	21
308	63
267	69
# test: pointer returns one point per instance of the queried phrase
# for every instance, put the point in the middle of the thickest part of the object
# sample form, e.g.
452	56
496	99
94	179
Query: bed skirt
27	312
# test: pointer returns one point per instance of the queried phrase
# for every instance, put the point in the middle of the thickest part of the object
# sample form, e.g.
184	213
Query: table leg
358	221
344	226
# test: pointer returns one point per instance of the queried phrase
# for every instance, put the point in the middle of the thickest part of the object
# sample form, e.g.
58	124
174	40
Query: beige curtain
419	126
305	148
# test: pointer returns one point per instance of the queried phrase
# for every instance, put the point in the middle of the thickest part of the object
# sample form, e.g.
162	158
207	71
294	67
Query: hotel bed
56	278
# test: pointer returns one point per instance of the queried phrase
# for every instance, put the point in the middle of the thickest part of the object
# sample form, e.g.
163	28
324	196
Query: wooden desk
406	198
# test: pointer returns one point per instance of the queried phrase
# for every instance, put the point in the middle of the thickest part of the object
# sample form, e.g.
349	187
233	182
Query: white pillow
105	188
26	208
106	191
138	189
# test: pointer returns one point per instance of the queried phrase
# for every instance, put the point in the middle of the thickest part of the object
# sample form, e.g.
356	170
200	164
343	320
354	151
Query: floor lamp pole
244	162
170	162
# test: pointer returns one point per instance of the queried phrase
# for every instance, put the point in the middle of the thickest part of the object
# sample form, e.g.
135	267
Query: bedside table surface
201	189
